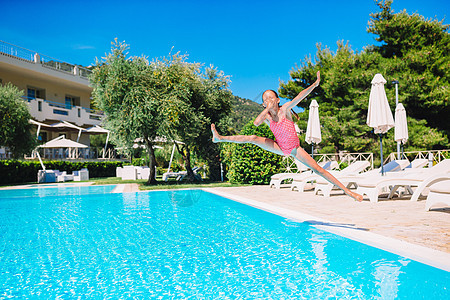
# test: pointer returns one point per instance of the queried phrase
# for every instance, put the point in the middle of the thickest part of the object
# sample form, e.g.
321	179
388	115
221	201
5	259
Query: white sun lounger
180	175
277	179
352	169
351	181
421	178
439	194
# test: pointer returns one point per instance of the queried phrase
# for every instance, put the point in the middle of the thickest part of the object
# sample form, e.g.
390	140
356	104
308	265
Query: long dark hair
276	94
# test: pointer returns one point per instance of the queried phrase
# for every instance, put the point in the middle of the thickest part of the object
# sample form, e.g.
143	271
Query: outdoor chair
119	172
439	194
421	178
46	176
63	176
129	173
277	179
181	174
352	169
81	175
143	172
351	180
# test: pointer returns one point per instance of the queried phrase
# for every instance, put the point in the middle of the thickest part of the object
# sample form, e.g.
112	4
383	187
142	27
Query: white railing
23	54
345	157
90	153
433	155
290	166
16	52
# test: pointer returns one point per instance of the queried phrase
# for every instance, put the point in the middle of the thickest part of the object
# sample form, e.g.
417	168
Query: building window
34	93
72	101
42	136
69	102
39	105
60	112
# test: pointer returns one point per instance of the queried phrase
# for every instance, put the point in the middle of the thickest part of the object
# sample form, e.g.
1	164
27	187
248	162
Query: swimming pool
187	244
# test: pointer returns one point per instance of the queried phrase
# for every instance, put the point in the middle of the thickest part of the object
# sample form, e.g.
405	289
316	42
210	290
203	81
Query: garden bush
18	171
247	163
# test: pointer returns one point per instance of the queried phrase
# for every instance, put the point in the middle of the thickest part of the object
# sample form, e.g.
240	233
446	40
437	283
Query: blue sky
257	43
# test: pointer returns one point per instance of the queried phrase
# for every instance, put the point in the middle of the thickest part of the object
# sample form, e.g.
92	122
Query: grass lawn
170	184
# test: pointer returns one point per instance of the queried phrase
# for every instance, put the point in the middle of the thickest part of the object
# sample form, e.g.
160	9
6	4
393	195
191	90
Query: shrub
142	161
17	171
247	163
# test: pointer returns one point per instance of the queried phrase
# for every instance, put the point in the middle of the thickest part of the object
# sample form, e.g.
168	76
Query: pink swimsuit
285	135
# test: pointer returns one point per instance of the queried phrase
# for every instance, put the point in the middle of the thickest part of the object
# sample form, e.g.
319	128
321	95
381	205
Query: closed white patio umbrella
379	116
313	133
401	127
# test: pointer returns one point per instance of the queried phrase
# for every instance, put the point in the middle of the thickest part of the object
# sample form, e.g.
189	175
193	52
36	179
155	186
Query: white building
54	90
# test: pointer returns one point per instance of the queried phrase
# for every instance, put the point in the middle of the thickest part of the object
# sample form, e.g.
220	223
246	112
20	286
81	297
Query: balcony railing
42	110
46	61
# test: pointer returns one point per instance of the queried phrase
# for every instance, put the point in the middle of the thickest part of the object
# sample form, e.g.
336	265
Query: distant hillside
243	111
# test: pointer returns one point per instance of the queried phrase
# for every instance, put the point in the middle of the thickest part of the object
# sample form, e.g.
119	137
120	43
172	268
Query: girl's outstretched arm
291	104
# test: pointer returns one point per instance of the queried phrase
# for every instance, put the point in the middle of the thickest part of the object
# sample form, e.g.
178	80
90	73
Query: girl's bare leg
301	155
265	143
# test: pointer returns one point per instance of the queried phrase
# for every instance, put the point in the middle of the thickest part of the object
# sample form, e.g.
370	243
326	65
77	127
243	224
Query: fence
434	155
292	166
30	56
74	154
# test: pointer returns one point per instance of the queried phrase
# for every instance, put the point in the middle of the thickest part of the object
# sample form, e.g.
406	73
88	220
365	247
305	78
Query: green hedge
247	163
18	171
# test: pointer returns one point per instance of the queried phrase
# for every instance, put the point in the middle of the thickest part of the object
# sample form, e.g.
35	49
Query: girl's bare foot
355	196
216	136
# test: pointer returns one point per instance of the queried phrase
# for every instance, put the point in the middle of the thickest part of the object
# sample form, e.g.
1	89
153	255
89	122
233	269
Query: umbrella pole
106	145
312	150
402	150
40	159
171	157
381	153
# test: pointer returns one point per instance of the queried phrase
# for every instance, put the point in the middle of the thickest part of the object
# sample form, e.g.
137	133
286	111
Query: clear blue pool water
187	244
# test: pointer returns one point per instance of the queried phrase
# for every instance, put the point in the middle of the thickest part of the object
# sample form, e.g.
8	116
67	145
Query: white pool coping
432	257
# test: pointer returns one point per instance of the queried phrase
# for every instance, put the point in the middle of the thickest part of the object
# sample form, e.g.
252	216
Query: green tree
193	100
343	94
418	51
216	108
15	129
127	91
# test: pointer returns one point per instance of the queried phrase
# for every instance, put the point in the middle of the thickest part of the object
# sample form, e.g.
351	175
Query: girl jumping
279	119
